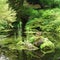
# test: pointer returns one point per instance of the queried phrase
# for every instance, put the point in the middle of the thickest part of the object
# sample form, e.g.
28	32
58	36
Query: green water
26	55
20	55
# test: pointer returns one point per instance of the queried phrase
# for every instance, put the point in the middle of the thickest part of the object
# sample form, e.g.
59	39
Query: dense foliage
45	3
7	16
34	31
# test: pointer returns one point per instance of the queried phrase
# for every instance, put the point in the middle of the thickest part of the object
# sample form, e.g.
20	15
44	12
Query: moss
47	47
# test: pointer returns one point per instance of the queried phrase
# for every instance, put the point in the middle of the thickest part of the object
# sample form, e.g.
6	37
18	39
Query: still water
6	54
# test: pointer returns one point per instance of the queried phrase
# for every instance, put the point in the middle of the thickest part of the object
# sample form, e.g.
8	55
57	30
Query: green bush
48	24
7	15
47	47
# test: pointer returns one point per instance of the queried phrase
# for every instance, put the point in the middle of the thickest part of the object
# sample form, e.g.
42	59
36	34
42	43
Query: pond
6	54
9	54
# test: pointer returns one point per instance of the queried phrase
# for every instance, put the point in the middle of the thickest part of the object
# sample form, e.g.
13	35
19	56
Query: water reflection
6	54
